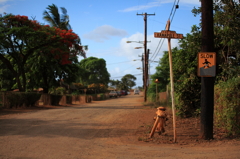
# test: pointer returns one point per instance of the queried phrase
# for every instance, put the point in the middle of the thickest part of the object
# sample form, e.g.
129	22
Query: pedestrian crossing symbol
206	64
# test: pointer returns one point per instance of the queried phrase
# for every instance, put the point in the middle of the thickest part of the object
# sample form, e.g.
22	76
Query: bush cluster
21	99
227	106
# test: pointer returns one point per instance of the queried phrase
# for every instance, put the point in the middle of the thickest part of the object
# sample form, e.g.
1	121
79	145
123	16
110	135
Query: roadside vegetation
34	55
188	84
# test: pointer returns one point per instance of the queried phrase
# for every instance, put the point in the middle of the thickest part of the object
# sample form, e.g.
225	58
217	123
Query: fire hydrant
160	121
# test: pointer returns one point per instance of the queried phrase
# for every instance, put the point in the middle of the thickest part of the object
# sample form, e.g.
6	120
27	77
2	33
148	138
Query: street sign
168	34
206	64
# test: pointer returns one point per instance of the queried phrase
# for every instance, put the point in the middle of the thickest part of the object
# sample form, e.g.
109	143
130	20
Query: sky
106	26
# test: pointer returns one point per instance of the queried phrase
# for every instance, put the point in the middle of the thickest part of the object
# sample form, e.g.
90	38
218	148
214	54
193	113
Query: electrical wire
128	68
118	62
172	13
172	9
123	76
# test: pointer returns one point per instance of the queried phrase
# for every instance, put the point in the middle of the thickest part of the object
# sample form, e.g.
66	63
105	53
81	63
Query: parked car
123	92
113	94
119	93
136	91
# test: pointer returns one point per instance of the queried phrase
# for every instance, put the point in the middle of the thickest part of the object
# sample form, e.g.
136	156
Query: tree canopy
93	70
187	83
24	41
126	83
52	16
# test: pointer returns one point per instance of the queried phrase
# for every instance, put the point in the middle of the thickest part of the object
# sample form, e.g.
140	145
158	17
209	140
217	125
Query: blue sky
106	25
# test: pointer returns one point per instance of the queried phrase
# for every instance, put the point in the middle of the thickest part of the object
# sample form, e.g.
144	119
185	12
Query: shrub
19	99
227	106
58	91
55	99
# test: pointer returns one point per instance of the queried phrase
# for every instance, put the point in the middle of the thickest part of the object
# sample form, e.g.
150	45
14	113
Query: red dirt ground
114	128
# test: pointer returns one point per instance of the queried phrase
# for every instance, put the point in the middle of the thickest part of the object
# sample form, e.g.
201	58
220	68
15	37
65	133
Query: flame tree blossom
22	38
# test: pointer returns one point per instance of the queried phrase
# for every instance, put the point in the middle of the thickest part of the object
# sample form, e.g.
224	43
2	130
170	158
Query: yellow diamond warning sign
206	64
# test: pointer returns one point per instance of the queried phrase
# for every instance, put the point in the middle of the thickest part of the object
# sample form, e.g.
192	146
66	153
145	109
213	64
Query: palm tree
53	17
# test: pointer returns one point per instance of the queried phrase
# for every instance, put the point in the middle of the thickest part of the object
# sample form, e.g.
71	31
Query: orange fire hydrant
160	121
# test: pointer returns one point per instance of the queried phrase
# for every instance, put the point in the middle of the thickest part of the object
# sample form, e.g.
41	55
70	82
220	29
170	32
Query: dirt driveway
114	128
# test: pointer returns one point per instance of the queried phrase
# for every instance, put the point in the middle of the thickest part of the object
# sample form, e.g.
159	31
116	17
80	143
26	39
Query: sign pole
172	83
172	89
170	35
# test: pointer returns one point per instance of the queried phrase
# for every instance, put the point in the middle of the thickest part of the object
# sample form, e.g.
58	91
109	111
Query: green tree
19	39
93	70
55	19
226	32
186	82
23	41
126	83
52	16
6	79
162	74
227	37
114	83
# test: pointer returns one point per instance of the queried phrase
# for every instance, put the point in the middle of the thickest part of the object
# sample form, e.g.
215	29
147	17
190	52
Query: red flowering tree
22	39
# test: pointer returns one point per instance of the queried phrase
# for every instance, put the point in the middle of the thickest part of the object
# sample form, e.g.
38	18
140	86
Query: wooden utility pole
143	78
207	83
145	55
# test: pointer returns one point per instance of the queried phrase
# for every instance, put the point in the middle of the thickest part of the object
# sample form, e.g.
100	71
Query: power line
118	62
156	53
175	6
172	9
123	76
128	68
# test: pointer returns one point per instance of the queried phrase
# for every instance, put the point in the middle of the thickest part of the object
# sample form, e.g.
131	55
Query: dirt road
100	130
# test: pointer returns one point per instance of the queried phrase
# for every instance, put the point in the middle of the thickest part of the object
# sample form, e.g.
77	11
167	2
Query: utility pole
207	83
143	69
145	55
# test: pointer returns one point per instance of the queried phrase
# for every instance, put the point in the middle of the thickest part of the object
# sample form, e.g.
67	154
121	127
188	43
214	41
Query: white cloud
127	50
104	32
141	7
4	6
193	2
156	46
157	3
3	1
117	70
